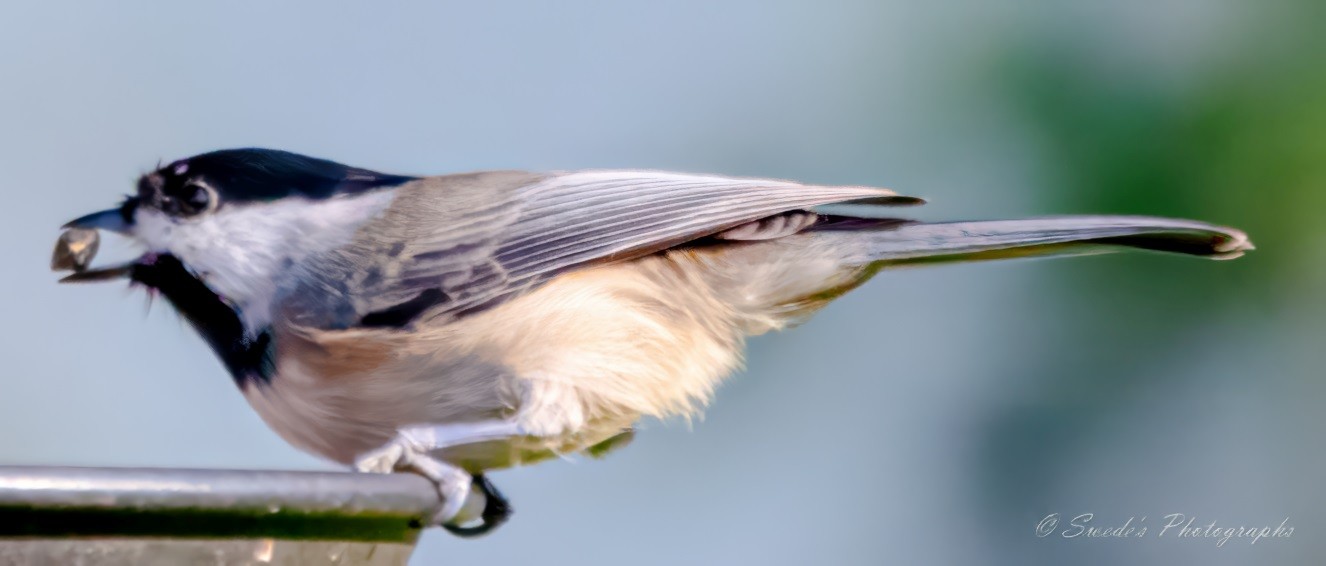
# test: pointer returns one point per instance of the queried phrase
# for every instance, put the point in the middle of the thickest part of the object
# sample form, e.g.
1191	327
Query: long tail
787	280
783	281
900	243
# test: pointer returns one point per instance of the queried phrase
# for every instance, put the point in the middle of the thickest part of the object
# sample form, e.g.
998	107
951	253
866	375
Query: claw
496	511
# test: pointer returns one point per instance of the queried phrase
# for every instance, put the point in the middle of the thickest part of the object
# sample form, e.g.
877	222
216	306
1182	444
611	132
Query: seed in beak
75	250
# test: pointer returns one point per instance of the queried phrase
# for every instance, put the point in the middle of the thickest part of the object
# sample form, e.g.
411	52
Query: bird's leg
412	449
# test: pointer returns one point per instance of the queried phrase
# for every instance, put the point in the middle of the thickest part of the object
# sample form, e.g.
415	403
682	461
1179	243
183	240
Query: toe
453	487
381	461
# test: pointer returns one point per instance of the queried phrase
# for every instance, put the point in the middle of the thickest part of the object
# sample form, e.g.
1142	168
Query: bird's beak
78	245
112	220
110	273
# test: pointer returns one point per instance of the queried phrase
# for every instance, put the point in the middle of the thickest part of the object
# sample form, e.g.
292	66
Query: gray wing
454	245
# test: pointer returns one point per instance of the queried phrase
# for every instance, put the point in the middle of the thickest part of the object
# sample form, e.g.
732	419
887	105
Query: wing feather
483	238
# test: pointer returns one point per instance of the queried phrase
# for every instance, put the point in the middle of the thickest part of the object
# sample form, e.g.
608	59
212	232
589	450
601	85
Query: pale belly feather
575	362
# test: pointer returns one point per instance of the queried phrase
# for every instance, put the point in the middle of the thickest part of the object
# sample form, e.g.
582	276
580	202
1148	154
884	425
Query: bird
453	325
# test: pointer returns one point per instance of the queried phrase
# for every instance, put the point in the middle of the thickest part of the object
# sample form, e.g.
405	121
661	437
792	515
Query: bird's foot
471	505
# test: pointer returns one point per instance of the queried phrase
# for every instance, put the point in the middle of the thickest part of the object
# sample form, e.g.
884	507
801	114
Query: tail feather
919	242
785	280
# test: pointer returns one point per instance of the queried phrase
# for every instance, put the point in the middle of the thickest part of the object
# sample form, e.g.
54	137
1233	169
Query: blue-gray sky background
931	417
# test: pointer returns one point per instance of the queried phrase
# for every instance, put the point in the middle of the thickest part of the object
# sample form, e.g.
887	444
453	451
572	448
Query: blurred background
934	416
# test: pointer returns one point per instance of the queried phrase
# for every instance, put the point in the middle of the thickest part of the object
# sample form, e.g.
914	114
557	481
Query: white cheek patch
153	229
245	252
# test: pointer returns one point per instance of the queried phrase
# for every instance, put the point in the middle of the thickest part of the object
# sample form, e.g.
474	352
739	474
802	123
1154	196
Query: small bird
451	325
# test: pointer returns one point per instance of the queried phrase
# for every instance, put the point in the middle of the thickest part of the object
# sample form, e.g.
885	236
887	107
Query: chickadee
456	324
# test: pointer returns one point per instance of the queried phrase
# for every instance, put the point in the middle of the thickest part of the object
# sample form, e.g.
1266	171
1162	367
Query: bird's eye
193	198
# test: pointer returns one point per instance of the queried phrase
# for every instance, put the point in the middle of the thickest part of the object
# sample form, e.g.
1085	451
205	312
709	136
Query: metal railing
62	515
